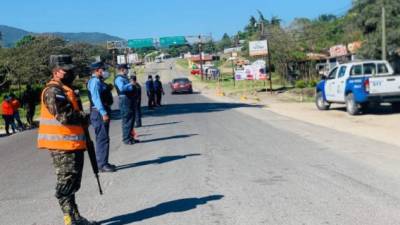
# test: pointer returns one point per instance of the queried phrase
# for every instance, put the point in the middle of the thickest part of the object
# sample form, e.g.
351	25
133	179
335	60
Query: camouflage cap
61	61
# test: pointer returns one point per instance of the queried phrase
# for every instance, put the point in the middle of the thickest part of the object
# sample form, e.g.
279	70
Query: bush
312	83
300	84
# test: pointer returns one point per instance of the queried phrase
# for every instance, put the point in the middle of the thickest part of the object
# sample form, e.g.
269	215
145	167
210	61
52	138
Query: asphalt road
205	162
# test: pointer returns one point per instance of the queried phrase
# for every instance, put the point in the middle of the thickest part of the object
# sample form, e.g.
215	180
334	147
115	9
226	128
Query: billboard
258	48
121	59
338	50
114	45
133	58
196	39
255	71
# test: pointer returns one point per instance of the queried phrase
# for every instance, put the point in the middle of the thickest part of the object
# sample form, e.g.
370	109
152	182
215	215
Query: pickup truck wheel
351	105
365	107
321	103
396	106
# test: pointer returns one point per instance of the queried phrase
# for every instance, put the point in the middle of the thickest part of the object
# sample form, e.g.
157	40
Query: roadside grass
183	63
227	86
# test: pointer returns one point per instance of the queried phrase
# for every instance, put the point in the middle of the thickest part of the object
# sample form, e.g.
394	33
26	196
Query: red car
180	85
195	72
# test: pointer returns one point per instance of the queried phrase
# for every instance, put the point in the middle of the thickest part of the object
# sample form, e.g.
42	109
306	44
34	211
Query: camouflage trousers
69	166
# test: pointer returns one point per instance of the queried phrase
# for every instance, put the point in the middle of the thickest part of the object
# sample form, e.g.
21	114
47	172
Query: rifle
92	157
90	147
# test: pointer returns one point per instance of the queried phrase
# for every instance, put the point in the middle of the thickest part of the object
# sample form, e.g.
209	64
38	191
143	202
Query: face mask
106	74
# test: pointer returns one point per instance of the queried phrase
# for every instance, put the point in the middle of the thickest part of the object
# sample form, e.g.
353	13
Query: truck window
342	71
356	70
382	68
369	68
332	74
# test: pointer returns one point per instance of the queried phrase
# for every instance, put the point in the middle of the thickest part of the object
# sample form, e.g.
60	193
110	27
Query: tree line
27	62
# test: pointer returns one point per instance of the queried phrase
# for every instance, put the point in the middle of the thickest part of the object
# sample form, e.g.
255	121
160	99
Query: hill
10	35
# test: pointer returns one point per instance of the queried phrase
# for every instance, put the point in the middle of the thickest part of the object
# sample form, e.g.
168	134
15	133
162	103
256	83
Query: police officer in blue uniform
150	92
138	106
158	90
126	90
100	108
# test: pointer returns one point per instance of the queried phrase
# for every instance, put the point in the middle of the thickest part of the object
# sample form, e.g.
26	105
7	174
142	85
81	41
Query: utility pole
233	72
114	58
1	39
201	58
263	37
268	58
384	50
236	44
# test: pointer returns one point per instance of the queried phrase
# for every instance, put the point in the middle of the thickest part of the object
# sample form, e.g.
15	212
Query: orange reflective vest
54	135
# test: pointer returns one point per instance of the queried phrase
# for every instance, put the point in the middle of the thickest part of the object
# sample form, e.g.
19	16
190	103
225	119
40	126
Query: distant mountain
12	35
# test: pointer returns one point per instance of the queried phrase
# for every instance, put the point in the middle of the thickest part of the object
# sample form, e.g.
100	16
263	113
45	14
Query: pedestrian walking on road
126	92
100	109
150	92
29	101
138	107
16	105
61	131
7	113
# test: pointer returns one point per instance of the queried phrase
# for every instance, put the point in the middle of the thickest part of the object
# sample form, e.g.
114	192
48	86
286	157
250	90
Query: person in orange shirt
7	113
16	105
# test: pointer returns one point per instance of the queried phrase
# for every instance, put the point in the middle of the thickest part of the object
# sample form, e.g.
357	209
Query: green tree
28	63
209	47
251	27
25	41
367	14
225	42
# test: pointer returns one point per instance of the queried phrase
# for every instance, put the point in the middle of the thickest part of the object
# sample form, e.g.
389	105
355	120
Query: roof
196	58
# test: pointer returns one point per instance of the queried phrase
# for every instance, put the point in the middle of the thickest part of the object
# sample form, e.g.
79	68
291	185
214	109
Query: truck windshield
332	75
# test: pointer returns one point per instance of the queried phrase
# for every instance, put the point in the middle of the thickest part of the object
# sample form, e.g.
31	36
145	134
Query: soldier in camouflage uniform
60	115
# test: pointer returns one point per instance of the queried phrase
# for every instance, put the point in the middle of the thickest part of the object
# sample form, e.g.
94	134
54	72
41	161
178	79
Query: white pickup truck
357	84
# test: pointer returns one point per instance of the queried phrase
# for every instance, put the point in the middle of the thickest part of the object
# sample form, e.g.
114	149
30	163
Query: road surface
205	162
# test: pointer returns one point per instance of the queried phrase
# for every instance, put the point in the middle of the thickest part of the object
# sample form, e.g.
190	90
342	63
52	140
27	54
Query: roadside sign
240	75
133	58
258	48
165	42
114	45
121	59
338	50
141	43
195	39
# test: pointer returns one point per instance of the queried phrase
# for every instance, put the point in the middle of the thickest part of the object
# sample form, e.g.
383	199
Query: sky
130	19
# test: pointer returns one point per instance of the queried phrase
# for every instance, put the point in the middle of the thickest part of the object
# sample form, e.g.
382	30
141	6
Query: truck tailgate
384	84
